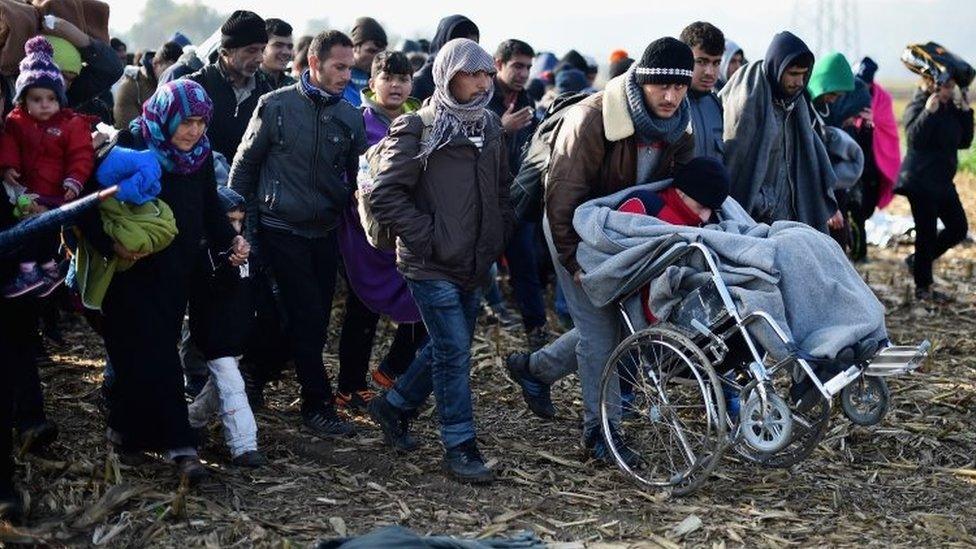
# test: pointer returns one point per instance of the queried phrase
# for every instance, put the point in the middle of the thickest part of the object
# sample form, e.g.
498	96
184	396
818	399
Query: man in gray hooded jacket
779	164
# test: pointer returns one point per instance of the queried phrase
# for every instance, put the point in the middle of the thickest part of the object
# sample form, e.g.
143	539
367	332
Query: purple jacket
372	273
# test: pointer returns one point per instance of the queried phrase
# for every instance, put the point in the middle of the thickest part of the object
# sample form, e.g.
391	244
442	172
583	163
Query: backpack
526	192
378	235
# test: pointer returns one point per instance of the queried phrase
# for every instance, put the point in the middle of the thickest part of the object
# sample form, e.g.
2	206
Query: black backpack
526	191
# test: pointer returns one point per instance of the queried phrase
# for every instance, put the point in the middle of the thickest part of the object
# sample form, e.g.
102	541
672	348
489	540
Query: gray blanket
750	132
799	276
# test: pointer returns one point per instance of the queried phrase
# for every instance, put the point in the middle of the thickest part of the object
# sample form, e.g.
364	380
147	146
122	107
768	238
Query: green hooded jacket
831	74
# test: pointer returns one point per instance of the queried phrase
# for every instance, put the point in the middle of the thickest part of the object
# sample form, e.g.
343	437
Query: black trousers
356	345
267	349
305	269
18	322
930	243
860	207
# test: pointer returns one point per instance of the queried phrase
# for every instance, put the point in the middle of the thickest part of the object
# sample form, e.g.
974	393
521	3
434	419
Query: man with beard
293	169
779	164
233	81
278	53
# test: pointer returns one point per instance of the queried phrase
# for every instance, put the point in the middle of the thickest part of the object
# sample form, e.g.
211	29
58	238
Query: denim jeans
596	334
443	366
523	268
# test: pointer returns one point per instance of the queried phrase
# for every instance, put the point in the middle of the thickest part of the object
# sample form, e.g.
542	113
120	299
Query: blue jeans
523	268
443	366
493	294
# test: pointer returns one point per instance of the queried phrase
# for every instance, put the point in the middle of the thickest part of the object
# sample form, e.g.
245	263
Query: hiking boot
53	279
933	296
596	448
25	283
537	394
538	338
356	401
394	424
38	437
252	459
465	464
190	468
325	423
382	379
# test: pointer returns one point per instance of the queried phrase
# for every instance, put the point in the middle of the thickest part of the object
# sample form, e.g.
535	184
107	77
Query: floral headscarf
163	113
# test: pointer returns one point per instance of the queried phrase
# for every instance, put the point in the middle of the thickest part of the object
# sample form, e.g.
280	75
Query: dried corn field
908	481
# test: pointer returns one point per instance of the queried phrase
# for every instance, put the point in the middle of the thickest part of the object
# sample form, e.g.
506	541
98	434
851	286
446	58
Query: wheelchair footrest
898	360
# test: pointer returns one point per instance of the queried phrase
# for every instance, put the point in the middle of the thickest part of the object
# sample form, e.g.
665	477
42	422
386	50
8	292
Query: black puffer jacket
933	141
453	217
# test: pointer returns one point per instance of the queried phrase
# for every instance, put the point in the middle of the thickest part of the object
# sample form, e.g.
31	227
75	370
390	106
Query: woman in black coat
144	305
937	126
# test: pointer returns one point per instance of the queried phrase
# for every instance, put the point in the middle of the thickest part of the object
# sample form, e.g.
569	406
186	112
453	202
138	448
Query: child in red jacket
46	155
699	189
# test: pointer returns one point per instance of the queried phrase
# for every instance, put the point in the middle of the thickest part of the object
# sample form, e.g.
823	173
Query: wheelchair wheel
676	422
865	401
809	425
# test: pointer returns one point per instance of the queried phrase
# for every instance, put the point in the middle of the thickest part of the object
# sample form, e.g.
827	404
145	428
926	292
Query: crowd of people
253	179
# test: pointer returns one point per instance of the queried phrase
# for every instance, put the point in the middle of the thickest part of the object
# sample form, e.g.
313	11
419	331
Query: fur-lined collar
617	124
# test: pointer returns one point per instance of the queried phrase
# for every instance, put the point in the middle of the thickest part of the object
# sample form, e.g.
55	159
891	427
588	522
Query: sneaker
465	464
538	338
26	282
53	279
325	423
38	437
537	394
596	448
934	296
190	469
394	424
252	459
382	379
356	401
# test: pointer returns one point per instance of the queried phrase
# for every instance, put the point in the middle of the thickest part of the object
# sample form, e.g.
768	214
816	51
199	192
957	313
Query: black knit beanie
241	29
366	29
705	180
665	61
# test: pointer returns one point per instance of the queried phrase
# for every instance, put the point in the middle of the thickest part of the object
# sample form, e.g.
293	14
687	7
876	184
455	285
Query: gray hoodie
731	48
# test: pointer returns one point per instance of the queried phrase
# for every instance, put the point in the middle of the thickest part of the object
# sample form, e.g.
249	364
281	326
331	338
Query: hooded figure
451	27
731	49
779	165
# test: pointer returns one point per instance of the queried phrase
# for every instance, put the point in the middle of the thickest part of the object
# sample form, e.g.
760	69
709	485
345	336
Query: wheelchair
679	419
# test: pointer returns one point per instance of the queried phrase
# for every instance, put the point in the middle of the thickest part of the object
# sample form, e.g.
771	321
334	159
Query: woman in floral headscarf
144	305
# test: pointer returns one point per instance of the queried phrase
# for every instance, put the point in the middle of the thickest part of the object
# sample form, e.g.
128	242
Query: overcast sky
597	27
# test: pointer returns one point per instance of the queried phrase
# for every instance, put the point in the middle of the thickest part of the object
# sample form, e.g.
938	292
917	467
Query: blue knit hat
38	70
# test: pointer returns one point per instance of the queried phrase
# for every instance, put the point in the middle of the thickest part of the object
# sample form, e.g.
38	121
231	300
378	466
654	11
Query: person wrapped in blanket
697	192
